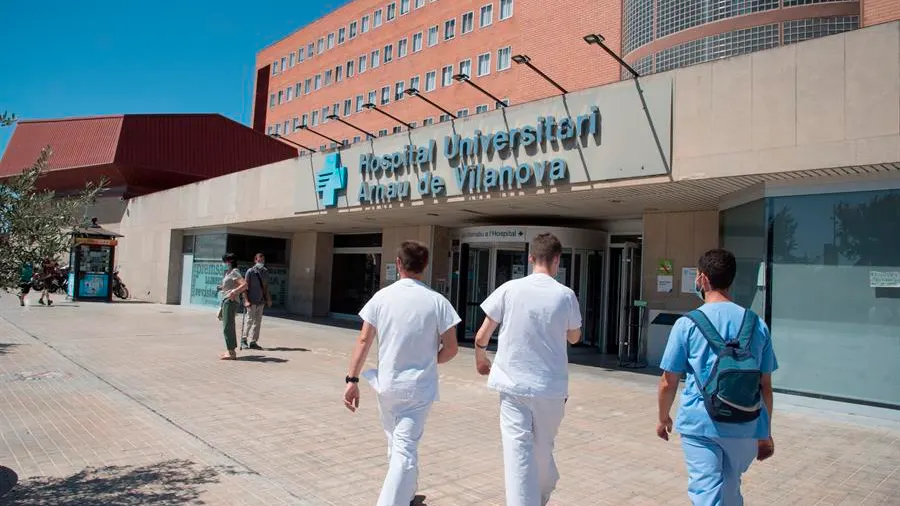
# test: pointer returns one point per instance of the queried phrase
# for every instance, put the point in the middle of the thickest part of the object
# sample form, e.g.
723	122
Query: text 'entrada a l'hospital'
474	177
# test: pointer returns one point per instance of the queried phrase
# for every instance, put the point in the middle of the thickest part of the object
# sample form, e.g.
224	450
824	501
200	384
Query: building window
342	35
348	107
317	82
450	29
462	113
447	76
287	125
481	109
376	22
283	63
352	34
339	73
299	90
396	130
637	23
272	100
320	46
349	69
359	103
484	64
356	139
280	97
382	133
506	9
311	50
328	77
487	15
413	82
402	48
805	29
270	130
362	63
465	67
364	24
336	109
432	36
398	90
373	97
307	86
404	7
300	55
289	95
717	46
413	124
468	22
420	3
388	53
427	121
503	58
275	68
417	42
277	128
391	11
386	95
325	112
376	58
304	120
291	60
505	102
430	80
330	41
314	118
444	118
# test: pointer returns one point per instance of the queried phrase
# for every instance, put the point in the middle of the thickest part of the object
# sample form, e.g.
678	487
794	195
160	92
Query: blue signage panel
331	180
94	286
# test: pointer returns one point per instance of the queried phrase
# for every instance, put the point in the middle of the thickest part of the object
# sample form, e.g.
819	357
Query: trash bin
661	323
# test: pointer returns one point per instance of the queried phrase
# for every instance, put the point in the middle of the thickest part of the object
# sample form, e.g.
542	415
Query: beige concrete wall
309	286
828	102
682	238
391	238
441	246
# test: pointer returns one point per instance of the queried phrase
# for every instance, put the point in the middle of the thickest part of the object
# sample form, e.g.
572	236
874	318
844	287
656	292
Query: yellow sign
95	242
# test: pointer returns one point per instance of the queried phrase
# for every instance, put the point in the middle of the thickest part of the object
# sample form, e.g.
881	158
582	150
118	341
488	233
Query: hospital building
770	128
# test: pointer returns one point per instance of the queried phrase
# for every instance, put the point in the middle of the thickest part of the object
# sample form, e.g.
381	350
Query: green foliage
7	119
34	223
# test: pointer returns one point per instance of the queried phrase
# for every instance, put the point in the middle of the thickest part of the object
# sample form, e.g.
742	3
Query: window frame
317	82
437	35
418	4
348	107
386	97
402	48
351	68
329	41
481	23
433	74
482	108
417	79
512	9
508	66
408	7
478	70
446	76
377	18
388	55
353	30
364	24
362	64
341	36
375	59
399	88
421	42
462	25
449	24
468	61
389	15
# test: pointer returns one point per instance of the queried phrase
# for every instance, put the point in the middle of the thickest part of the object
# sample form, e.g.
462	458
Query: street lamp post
351	125
412	92
594	38
464	78
372	107
285	139
524	59
304	127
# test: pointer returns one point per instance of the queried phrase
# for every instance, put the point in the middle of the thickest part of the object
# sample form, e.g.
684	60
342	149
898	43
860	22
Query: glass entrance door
628	315
587	283
479	287
355	277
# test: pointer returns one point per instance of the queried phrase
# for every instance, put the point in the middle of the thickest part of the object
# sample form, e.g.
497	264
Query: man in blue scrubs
716	453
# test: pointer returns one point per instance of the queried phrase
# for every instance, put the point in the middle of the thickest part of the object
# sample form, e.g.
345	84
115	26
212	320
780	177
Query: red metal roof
143	152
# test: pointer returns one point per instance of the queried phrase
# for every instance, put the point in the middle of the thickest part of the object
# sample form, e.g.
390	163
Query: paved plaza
105	404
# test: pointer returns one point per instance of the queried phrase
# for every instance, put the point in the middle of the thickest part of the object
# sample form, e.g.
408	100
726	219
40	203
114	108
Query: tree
7	119
37	224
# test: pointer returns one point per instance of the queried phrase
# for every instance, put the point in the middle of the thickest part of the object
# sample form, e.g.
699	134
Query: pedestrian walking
726	406
416	330
26	276
257	298
233	285
46	276
537	316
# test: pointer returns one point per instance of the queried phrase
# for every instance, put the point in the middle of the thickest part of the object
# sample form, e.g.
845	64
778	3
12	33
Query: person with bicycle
46	277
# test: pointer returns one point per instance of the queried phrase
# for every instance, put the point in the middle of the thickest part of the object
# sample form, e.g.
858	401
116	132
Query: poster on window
884	279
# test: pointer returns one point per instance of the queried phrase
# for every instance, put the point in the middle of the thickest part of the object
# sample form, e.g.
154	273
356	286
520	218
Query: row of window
486	18
642	25
313	119
741	42
504	62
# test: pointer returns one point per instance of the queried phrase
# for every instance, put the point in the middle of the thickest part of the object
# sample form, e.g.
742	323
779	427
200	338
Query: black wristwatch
350	379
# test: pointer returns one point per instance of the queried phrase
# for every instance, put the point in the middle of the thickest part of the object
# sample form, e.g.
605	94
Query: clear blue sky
64	58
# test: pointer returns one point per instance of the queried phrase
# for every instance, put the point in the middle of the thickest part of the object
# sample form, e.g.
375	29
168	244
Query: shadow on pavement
169	482
7	347
282	348
261	358
8	479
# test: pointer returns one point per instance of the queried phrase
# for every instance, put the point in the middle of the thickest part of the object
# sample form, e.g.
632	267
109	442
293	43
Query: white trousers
404	424
528	426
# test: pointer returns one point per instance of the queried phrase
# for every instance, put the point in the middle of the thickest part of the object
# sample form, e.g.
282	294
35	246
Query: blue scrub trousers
715	467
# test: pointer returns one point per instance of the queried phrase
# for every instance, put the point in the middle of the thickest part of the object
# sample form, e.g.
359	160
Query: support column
309	283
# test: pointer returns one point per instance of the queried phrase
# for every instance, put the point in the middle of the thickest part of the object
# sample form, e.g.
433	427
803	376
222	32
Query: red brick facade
552	37
879	11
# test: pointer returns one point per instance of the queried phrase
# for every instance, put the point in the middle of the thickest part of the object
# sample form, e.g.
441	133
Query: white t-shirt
534	313
409	318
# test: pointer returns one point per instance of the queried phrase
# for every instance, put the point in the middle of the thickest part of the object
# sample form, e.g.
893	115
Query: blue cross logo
331	180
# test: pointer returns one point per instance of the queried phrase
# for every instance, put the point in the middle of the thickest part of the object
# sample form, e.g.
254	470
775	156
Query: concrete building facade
790	157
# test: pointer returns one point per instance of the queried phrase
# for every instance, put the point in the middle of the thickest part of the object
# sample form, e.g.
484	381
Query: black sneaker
254	346
41	301
244	345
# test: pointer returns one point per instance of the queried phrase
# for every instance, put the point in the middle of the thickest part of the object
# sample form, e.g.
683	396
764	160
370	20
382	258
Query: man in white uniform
416	329
537	316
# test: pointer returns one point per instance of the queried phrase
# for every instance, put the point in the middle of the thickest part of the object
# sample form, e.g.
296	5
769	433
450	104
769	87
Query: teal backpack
732	393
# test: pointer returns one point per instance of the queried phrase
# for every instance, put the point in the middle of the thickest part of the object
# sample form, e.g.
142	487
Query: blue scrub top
687	351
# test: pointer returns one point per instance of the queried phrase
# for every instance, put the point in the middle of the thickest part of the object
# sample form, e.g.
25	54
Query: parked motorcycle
58	282
118	287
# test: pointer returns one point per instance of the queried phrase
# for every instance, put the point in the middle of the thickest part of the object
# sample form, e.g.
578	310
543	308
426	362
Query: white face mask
259	265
